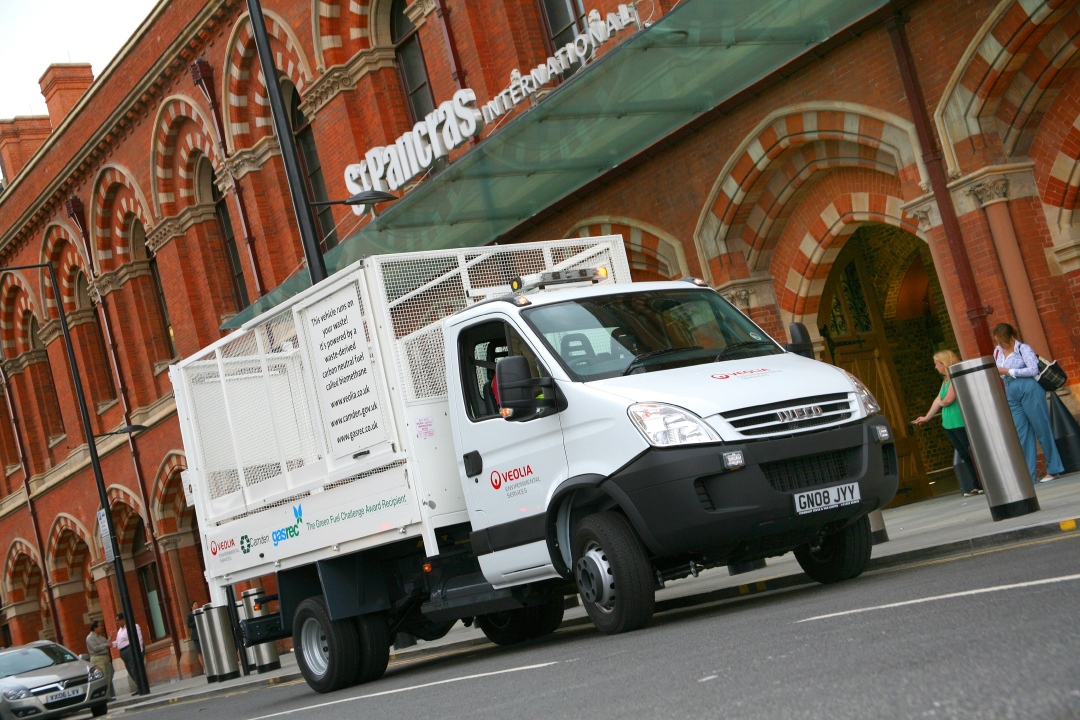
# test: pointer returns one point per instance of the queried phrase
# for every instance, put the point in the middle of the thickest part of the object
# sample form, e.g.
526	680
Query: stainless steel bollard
878	533
209	658
266	657
220	638
249	652
994	442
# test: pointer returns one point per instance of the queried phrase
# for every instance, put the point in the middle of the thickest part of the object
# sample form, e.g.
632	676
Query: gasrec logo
498	478
289	531
216	547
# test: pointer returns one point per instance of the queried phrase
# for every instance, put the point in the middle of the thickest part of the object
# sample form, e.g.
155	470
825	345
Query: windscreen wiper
638	359
742	346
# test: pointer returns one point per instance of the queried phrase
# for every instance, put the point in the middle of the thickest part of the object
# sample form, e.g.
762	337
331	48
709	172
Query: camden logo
247	542
216	547
289	531
498	478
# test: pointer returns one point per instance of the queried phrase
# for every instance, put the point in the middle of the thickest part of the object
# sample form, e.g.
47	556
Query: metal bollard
878	533
208	655
249	652
220	638
995	445
265	655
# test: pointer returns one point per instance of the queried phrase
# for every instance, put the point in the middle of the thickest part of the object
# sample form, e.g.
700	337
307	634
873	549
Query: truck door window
480	347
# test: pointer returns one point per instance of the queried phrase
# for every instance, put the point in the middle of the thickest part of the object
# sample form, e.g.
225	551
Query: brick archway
182	133
340	30
653	254
16	307
117	200
63	252
22	572
168	507
764	179
247	109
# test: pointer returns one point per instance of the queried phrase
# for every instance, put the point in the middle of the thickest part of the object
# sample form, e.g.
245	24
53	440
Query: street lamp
141	683
364	197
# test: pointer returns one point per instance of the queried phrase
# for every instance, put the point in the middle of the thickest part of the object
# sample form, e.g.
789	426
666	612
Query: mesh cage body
419	289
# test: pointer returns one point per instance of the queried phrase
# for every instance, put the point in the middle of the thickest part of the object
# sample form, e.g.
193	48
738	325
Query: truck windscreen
636	332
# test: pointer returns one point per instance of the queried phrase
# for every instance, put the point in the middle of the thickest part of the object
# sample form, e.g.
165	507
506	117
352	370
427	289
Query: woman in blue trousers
1018	366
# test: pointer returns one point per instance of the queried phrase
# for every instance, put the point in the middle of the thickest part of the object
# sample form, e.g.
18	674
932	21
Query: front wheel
614	575
328	651
99	710
840	556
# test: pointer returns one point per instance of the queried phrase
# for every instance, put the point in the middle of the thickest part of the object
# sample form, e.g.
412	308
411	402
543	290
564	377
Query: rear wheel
328	651
840	556
99	710
613	573
506	628
546	618
374	641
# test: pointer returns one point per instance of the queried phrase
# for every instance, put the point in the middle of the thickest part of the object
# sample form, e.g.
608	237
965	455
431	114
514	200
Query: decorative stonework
418	10
107	282
20	362
253	158
990	191
995	183
925	211
340	78
747	293
177	225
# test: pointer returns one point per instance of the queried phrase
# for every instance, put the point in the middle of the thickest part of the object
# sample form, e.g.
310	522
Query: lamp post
142	686
362	198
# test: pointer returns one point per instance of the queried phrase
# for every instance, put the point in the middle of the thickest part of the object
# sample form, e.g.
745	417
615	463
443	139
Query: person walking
123	645
953	423
1018	365
97	646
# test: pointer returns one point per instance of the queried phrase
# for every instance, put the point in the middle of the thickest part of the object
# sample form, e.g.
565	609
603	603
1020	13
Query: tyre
546	618
840	556
614	575
374	643
99	710
506	628
328	651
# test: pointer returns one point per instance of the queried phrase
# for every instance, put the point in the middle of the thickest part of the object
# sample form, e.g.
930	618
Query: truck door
507	468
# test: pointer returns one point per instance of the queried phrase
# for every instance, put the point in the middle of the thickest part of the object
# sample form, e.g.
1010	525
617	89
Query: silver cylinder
265	655
878	533
208	657
995	446
220	638
249	652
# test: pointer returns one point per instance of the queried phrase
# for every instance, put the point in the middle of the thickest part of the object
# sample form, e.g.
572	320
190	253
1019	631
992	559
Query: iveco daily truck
474	434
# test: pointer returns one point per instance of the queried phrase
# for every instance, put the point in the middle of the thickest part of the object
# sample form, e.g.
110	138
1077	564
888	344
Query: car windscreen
636	332
28	659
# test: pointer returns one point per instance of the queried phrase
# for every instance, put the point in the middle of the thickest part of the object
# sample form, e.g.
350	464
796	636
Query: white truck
474	434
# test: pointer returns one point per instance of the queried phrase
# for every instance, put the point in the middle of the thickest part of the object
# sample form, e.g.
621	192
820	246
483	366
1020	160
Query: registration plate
827	498
63	695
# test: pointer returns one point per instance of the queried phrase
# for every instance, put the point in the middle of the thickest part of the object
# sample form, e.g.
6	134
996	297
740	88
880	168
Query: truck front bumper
683	501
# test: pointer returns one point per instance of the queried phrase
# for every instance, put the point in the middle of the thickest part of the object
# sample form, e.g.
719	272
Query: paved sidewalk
946	525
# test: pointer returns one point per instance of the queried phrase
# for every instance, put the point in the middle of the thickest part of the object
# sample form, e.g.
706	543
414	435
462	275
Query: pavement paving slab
941	526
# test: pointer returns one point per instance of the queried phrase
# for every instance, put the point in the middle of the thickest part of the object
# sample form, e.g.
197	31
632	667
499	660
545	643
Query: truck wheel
840	556
506	628
613	574
374	642
328	651
546	618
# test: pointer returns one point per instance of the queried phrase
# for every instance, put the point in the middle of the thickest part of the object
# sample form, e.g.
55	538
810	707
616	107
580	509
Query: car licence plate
63	695
827	498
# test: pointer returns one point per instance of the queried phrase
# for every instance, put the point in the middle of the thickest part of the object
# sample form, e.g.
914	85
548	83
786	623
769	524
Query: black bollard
1066	434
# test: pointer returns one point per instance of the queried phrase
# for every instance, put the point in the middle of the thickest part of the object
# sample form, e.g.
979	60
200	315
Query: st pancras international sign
456	120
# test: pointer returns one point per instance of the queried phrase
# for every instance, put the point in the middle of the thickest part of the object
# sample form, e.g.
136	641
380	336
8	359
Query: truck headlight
666	425
17	693
869	404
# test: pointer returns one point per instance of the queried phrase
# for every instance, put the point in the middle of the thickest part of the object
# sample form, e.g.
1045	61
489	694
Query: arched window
410	62
138	245
310	167
208	192
34	331
99	369
564	19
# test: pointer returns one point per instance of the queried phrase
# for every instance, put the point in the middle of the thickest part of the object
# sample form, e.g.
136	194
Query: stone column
992	195
170	547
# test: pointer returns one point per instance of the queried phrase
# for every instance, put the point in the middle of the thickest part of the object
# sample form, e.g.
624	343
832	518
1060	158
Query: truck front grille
784	418
806	472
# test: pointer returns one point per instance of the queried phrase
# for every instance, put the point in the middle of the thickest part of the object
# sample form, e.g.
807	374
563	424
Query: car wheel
99	710
840	556
613	574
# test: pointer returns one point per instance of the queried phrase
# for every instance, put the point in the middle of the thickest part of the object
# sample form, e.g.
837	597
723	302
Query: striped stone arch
167	501
182	134
762	181
1009	75
340	29
653	253
247	108
127	511
117	202
16	307
805	277
22	568
67	547
63	251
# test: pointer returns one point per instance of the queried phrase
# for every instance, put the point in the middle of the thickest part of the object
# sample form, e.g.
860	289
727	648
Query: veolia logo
216	547
737	373
498	478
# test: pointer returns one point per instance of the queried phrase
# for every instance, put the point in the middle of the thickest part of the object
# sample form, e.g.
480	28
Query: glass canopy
658	80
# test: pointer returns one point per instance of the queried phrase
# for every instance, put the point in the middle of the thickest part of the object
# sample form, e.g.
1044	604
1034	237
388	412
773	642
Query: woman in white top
1018	365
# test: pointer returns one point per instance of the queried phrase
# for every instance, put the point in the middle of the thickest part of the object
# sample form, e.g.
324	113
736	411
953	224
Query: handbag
1050	376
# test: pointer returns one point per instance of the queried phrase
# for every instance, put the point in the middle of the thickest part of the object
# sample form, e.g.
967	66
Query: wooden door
851	322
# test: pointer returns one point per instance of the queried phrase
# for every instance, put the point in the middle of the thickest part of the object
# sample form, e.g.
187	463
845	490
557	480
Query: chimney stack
19	140
62	85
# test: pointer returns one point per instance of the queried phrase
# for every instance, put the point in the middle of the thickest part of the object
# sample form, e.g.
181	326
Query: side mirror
800	344
518	389
84	657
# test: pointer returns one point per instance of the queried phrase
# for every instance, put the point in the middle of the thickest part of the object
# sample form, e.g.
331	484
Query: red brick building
808	196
